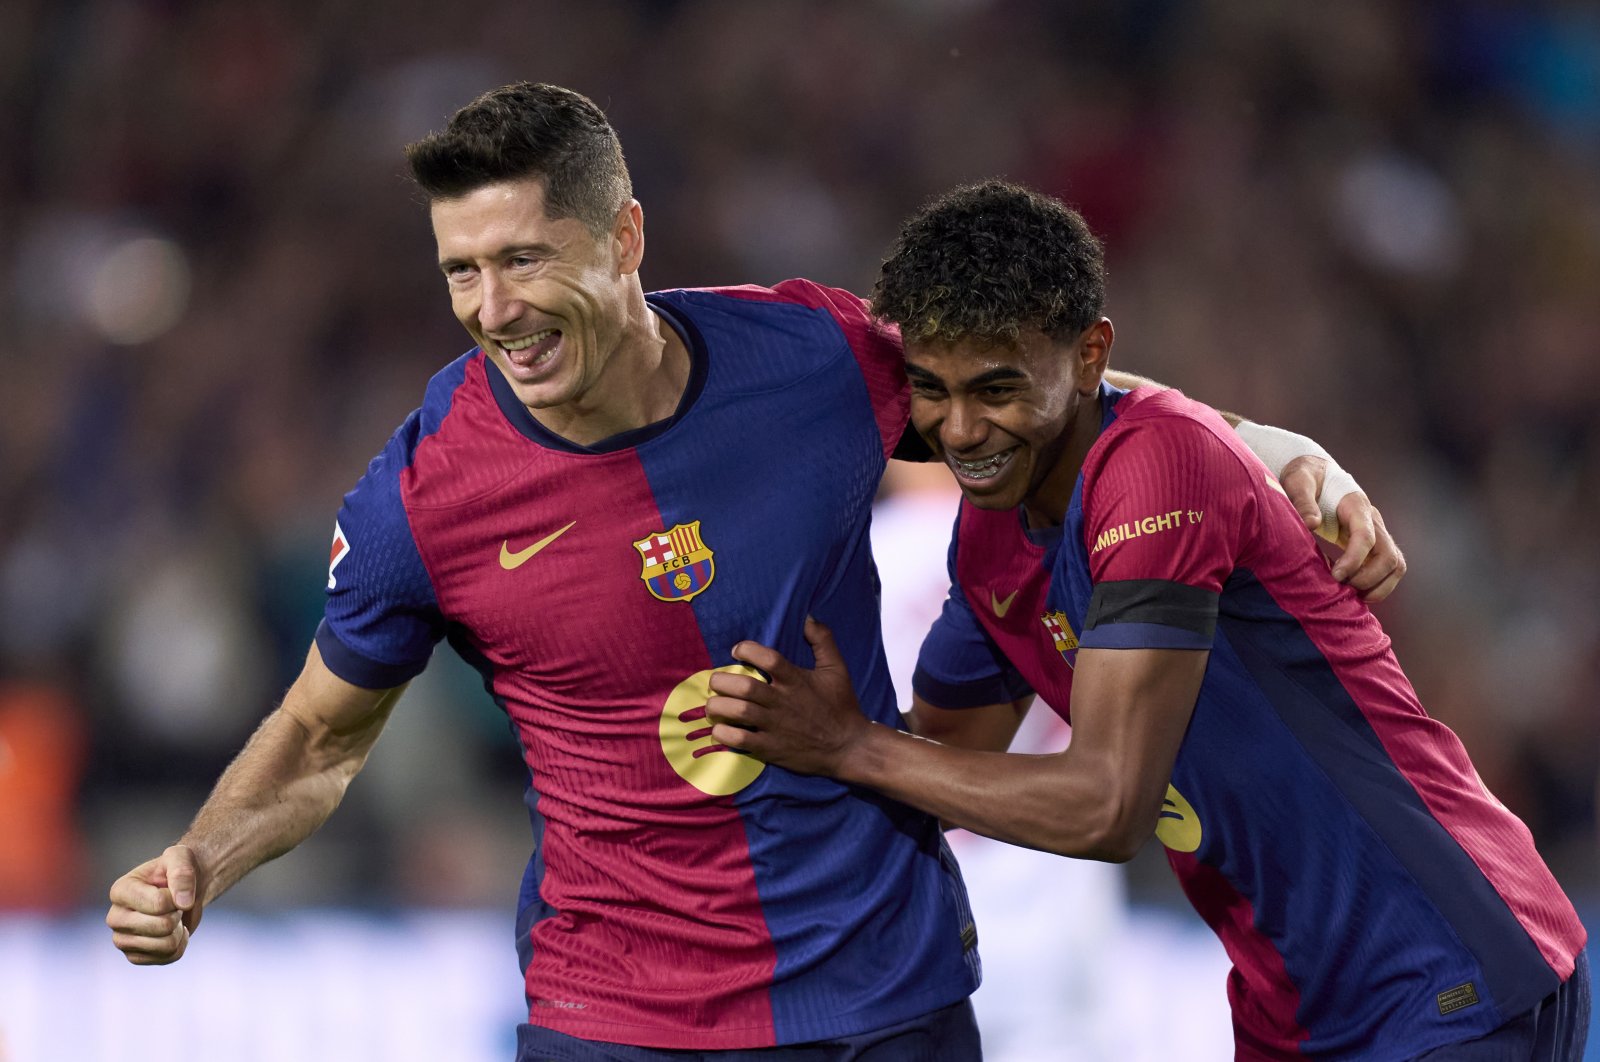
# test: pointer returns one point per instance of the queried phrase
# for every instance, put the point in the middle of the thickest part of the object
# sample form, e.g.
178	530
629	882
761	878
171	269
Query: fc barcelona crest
676	564
1066	642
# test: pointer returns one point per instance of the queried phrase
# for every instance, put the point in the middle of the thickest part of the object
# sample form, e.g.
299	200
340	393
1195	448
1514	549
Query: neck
641	383
1047	505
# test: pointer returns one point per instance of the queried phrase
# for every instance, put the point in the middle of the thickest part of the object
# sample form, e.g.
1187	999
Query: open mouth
982	469
533	350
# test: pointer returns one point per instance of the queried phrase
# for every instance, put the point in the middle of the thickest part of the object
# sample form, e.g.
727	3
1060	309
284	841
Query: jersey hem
753	1036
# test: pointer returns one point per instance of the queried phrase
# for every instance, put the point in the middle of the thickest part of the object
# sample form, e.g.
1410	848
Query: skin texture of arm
283	784
1127	381
1100	798
992	727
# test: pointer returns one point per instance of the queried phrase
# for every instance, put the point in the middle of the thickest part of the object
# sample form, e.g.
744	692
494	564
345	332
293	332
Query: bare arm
284	784
1100	798
1127	381
991	727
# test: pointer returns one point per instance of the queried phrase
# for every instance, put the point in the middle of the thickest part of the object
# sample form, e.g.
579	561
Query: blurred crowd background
1374	221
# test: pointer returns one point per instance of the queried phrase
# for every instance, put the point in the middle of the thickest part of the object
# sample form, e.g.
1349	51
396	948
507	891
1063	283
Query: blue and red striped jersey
1375	899
679	895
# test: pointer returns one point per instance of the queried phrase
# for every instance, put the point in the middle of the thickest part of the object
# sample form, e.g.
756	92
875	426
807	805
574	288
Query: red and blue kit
680	895
1375	899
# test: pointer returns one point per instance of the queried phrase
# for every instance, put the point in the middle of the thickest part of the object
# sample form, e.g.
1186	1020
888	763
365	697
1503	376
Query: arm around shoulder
1100	798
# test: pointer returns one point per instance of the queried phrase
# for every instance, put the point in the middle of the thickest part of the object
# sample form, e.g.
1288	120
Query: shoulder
765	340
1164	428
757	298
438	400
787	307
456	445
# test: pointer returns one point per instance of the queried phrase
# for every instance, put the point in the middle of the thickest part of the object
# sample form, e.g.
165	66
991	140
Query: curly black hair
529	130
989	261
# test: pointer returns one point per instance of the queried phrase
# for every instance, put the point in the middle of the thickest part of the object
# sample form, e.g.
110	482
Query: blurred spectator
41	761
1377	222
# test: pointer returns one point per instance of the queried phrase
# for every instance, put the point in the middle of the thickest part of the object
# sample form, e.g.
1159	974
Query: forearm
991	728
280	788
1127	381
1044	802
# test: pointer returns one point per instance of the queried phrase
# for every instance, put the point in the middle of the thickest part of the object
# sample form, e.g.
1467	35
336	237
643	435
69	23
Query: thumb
1302	483
182	877
823	647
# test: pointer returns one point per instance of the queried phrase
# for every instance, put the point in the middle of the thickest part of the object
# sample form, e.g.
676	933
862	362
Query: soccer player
592	506
1124	556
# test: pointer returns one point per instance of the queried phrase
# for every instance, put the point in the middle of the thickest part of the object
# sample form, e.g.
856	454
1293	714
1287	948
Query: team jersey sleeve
876	345
959	665
1165	512
381	619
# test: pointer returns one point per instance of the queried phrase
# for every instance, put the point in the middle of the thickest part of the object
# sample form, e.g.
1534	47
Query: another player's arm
1127	381
991	728
1329	500
1100	798
284	783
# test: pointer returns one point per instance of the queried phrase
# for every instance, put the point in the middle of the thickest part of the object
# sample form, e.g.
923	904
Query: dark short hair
529	130
989	261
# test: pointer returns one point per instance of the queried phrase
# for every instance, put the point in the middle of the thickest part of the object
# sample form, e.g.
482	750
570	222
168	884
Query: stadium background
1376	221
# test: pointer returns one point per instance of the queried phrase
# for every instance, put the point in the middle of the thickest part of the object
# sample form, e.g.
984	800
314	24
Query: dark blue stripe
1143	636
1000	689
519	417
359	670
1319	711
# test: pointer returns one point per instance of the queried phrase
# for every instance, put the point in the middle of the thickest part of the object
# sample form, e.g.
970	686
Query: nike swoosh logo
1001	607
509	560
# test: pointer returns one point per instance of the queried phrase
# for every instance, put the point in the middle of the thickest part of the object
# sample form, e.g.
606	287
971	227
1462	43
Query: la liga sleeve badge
341	550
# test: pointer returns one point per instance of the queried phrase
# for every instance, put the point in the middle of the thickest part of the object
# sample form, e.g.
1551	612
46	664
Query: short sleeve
876	345
381	619
959	665
1166	507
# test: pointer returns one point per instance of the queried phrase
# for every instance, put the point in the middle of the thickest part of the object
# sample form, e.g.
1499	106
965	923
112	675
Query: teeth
983	469
526	341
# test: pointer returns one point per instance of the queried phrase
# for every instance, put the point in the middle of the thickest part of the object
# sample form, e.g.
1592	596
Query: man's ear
627	237
1094	355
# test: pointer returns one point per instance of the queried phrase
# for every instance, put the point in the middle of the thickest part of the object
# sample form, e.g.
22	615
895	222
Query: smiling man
593	506
1124	556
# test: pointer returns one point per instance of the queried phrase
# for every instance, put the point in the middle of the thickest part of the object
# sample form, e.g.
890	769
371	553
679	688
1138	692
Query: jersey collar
519	417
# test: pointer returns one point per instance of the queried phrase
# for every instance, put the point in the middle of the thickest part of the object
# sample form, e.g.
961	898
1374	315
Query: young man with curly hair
1123	555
